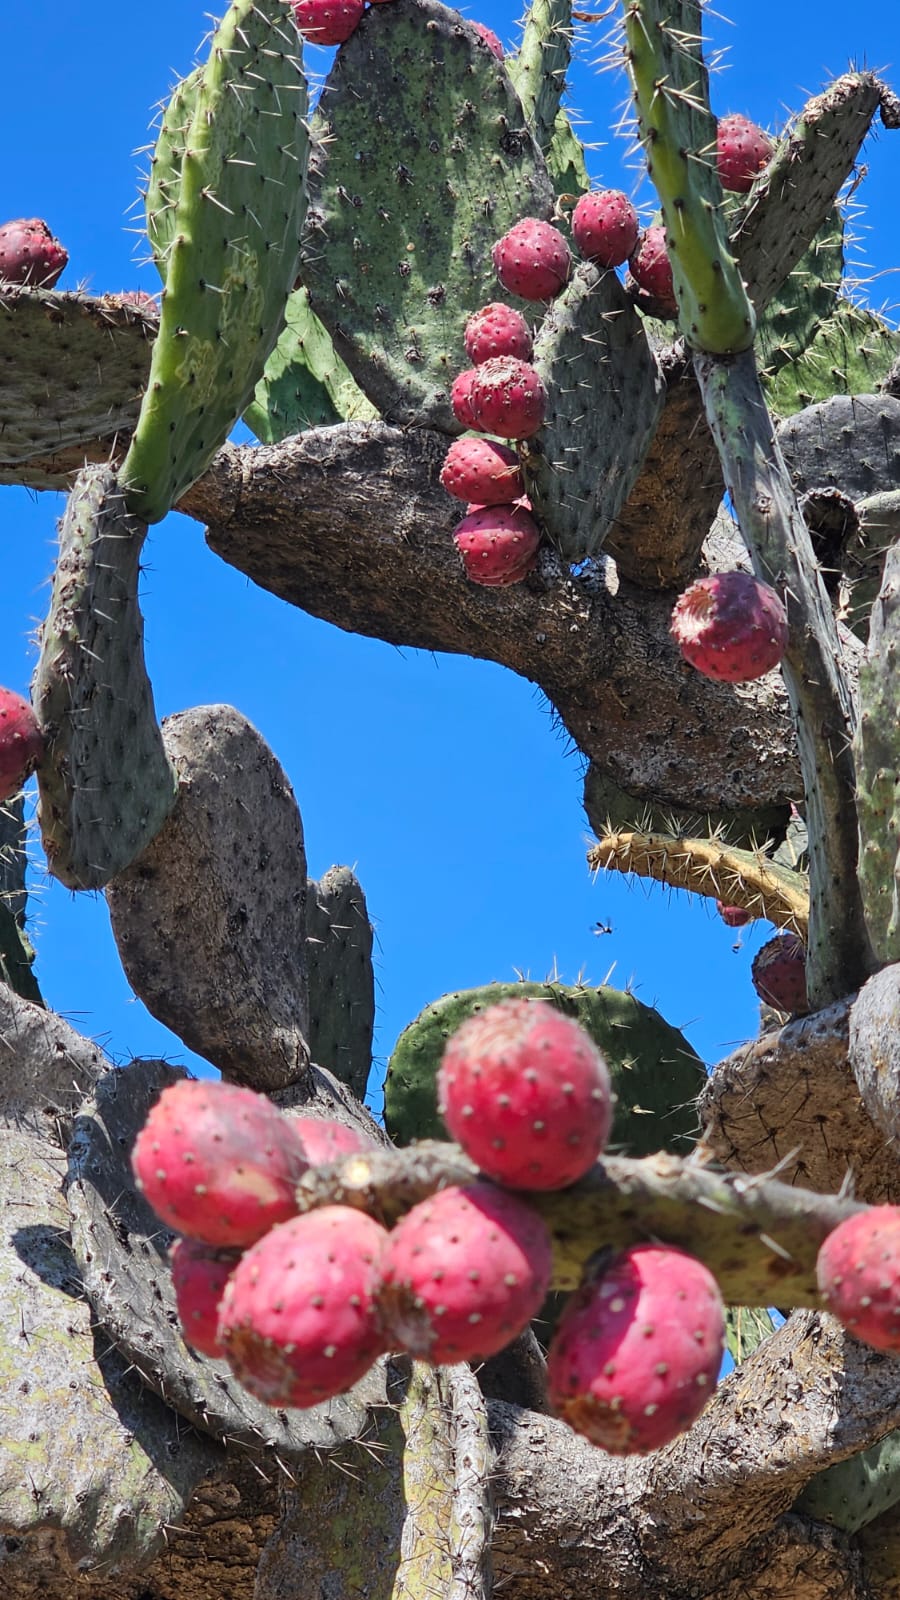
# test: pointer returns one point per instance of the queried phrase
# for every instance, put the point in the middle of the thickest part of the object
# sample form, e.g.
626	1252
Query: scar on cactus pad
730	626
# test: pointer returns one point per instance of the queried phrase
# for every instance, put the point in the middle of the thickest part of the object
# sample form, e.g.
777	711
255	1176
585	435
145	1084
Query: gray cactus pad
341	978
121	1251
851	443
46	1068
105	782
72	368
16	950
210	920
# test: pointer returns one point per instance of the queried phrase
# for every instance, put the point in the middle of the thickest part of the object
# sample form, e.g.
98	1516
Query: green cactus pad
232	256
853	1493
105	783
745	1329
164	181
305	383
71	372
538	75
852	352
655	1073
877	770
605	395
422	160
340	977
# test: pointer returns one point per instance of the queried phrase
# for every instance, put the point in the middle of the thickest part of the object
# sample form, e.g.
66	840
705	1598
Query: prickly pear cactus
877	754
305	383
341	978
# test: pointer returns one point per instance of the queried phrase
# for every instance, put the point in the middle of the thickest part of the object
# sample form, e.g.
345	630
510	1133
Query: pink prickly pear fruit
497	330
489	38
527	1094
463	1274
778	973
218	1163
325	1140
858	1271
498	545
298	1319
327	21
199	1276
140	299
29	254
734	916
461	398
742	150
637	1351
651	270
482	471
731	627
605	227
532	260
21	742
507	397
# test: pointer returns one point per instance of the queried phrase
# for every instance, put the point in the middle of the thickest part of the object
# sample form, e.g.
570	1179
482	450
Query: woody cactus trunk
318	272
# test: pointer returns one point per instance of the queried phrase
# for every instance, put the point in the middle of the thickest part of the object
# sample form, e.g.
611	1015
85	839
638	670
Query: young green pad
164	180
605	394
538	74
105	782
422	160
231	258
305	383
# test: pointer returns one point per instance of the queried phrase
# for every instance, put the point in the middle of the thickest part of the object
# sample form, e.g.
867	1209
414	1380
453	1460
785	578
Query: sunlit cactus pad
305	383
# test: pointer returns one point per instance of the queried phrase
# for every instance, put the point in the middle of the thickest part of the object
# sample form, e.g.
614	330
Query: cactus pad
340	977
851	443
305	383
877	771
105	783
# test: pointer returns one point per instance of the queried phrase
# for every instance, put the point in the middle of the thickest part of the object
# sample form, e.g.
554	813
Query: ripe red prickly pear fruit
742	150
29	254
21	742
507	397
298	1319
532	260
327	21
605	227
461	398
651	271
218	1163
858	1270
483	471
498	545
527	1094
778	973
497	330
730	626
325	1140
637	1351
199	1276
734	916
463	1274
489	38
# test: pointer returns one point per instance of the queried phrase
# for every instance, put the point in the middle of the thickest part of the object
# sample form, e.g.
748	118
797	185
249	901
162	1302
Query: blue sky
442	780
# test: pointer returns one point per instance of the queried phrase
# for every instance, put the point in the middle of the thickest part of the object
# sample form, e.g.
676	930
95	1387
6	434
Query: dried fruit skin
327	21
498	545
605	227
463	1273
527	1094
199	1276
734	916
482	471
858	1271
742	150
324	1140
506	396
778	973
29	254
218	1163
298	1319
651	270
497	330
532	260
21	742
730	627
637	1351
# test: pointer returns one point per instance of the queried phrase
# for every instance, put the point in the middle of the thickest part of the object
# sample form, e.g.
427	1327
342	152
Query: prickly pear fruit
29	254
21	742
327	21
498	544
482	471
507	396
218	1163
497	330
637	1351
605	227
298	1320
489	38
730	626
463	1274
778	973
532	260
651	271
858	1270
742	150
733	916
140	300
199	1276
325	1140
527	1094
461	398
